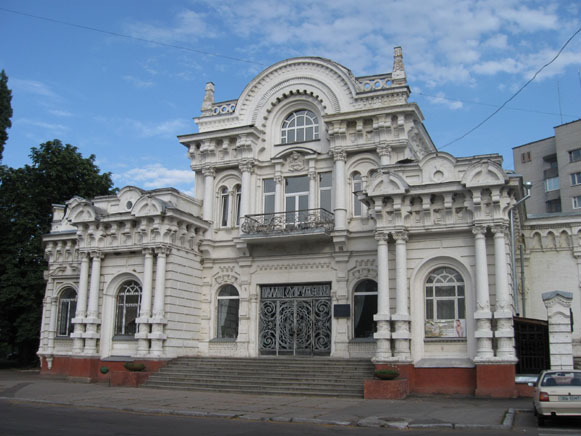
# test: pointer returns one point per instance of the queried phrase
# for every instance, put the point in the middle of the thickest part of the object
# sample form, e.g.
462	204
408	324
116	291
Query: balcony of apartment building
298	225
552	184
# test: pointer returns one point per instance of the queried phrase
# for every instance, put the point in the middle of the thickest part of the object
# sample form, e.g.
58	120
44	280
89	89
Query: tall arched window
67	308
228	306
127	311
237	200
300	126
445	304
365	304
357	185
224	206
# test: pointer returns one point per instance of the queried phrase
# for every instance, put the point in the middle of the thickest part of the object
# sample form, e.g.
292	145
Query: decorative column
207	211
382	317
158	320
340	209
384	152
81	312
145	306
312	186
504	331
482	315
401	317
558	304
52	303
246	169
92	320
278	193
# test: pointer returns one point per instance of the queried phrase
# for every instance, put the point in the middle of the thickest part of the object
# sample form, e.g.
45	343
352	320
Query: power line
136	38
516	93
491	105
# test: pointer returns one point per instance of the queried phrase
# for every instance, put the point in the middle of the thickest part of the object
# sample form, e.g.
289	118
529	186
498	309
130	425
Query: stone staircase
268	376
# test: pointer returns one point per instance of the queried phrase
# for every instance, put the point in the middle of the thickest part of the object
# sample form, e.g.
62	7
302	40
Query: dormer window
300	126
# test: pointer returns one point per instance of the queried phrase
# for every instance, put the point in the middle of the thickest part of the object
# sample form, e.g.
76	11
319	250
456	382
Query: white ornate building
325	222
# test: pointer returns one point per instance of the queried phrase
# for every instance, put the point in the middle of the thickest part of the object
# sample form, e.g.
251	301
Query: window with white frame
575	179
237	200
127	308
551	184
67	307
269	187
300	126
228	308
445	304
575	155
296	197
326	191
365	307
224	206
356	186
577	202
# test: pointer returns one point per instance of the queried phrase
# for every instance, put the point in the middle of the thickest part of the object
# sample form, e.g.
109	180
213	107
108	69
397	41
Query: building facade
553	165
324	223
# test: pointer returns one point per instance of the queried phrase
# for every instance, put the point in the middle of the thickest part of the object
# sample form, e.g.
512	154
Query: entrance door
295	320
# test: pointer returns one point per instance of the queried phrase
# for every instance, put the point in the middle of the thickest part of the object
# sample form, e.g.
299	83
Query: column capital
339	155
381	236
148	251
97	255
312	175
246	166
209	171
383	149
278	179
164	250
479	230
400	235
500	229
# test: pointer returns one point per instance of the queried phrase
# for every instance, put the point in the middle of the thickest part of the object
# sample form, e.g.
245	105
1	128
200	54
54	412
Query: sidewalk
413	412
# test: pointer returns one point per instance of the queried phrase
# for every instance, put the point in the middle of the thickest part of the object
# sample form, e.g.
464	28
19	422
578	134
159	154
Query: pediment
81	210
484	173
438	167
148	206
387	183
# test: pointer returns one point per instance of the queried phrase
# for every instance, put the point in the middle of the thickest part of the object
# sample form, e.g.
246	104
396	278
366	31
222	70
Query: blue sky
125	100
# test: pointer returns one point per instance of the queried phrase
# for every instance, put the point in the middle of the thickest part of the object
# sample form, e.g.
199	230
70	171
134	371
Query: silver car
557	393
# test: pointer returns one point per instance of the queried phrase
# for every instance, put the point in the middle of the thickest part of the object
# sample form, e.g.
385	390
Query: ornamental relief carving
295	162
293	266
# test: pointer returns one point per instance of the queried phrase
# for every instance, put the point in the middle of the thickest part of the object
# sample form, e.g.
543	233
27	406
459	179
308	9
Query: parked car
557	393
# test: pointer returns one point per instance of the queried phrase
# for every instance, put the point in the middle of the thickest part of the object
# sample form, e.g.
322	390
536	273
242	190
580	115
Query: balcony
301	224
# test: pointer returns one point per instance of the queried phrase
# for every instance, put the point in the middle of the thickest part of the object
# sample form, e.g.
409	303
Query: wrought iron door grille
295	320
532	345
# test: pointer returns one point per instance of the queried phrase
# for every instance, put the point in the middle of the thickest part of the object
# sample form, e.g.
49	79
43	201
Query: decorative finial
398	76
208	99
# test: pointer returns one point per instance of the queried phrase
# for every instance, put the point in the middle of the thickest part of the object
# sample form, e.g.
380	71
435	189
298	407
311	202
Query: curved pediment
333	85
80	210
486	173
438	167
387	183
128	196
148	206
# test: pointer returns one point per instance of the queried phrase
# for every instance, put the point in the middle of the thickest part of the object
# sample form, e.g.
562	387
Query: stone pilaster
482	315
401	336
382	317
558	304
158	320
79	319
145	306
340	209
208	203
92	320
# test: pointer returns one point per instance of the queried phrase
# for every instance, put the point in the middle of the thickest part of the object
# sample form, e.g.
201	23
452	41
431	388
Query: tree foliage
5	111
57	173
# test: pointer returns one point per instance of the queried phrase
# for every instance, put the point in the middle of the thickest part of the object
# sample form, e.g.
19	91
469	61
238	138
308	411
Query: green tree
58	172
5	111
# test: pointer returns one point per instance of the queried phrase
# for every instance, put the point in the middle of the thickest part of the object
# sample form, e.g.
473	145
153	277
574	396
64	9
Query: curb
370	421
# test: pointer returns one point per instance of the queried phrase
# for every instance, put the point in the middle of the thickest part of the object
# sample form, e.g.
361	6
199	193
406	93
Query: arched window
228	305
445	304
356	186
67	308
224	206
237	200
128	301
300	126
365	304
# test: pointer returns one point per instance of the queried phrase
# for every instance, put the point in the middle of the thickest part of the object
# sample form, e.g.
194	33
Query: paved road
26	419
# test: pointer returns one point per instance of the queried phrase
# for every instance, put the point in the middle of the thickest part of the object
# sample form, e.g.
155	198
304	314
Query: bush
131	366
387	374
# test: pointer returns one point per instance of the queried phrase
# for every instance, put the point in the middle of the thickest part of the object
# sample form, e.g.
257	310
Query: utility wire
490	104
136	38
516	93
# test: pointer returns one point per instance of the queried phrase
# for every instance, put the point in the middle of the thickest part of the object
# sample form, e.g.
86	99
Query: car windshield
564	378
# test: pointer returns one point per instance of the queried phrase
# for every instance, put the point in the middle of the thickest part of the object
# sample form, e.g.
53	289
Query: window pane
445	309
429	291
461	309
269	185
291	136
300	135
228	291
269	204
325	179
365	308
460	290
429	309
228	318
297	184
445	291
325	201
63	321
130	317
303	202
309	134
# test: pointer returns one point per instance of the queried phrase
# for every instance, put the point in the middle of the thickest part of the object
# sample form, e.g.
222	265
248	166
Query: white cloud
156	176
139	83
441	99
60	113
32	87
54	128
188	26
164	129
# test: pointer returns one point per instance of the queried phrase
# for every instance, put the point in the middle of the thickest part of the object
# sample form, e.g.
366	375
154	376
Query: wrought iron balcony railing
288	222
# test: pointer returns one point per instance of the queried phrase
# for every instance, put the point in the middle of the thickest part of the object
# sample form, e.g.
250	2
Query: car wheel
541	420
